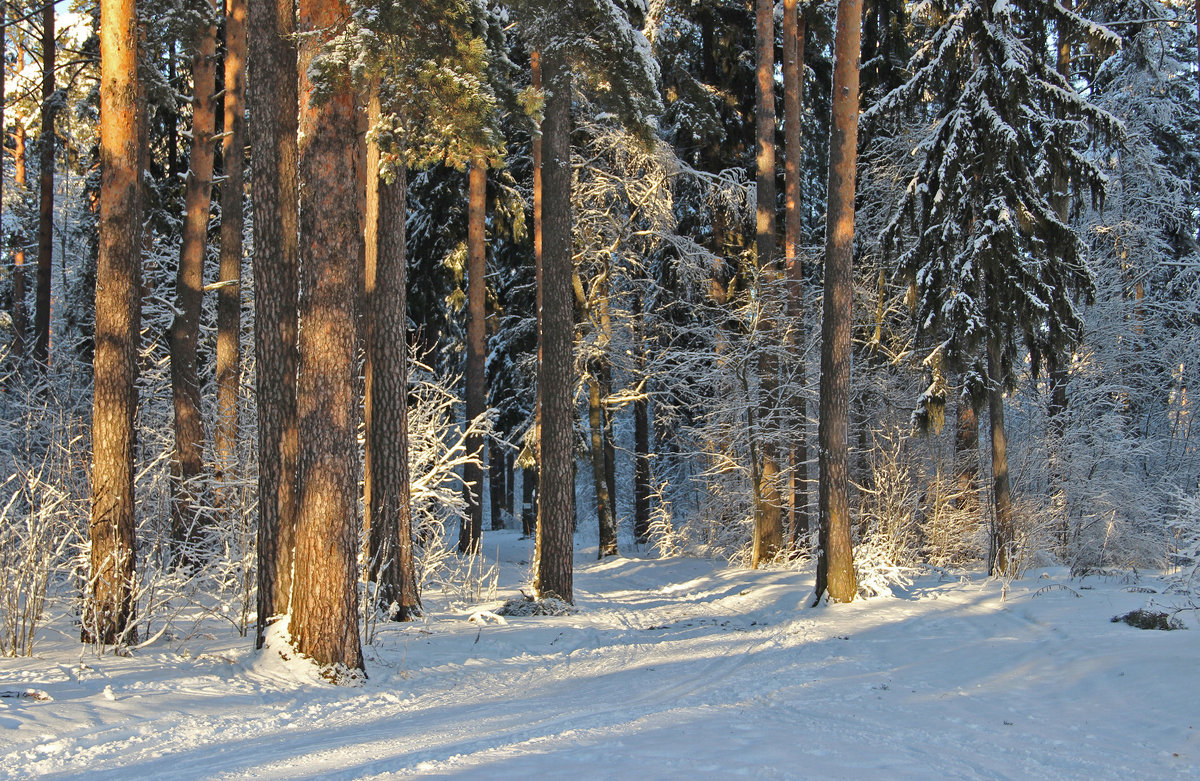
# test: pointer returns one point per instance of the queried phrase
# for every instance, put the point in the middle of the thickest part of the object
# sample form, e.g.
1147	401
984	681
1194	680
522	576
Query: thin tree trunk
391	522
531	475
272	98
109	616
41	325
187	463
553	557
528	502
641	435
470	534
229	296
496	485
835	555
20	316
599	389
510	482
768	515
324	610
794	28
999	555
378	542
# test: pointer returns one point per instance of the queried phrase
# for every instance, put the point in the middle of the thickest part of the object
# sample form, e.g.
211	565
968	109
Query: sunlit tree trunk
20	315
768	514
793	93
553	557
378	544
391	519
187	463
324	605
272	98
835	556
476	381
108	615
530	491
41	324
229	296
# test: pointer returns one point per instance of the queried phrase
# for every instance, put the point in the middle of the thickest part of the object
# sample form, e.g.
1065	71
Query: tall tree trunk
324	610
531	475
391	519
835	555
108	616
272	100
187	463
229	296
41	325
378	543
20	316
599	389
999	554
768	514
470	534
553	557
510	482
641	435
794	28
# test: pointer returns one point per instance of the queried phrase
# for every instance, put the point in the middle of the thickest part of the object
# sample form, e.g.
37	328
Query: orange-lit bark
835	557
187	463
324	607
41	315
473	375
108	615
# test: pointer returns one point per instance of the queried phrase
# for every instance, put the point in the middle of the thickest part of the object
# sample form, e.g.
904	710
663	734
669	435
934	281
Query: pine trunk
378	542
41	325
641	436
768	512
794	27
835	555
966	453
324	622
553	558
108	616
20	315
391	512
187	463
496	485
272	100
1000	552
229	296
476	389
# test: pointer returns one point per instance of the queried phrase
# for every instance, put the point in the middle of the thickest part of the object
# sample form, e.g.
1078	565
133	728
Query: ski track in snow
675	668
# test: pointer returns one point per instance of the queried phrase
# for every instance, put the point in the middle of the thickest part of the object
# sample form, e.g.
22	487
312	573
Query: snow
673	668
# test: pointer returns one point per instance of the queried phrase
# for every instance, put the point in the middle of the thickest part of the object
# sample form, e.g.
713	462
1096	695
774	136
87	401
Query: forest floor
675	668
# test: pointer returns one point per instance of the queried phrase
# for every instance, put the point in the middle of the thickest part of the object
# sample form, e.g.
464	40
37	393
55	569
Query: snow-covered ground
675	668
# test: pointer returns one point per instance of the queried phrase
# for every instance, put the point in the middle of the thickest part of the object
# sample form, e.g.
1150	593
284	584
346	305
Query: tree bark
41	325
966	453
794	28
553	557
835	555
229	296
378	542
391	519
531	476
20	316
1000	552
324	622
496	485
471	532
187	462
641	436
272	100
768	514
108	615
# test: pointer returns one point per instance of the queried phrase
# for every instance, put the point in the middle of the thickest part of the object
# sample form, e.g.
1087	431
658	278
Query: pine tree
272	99
109	616
992	265
835	558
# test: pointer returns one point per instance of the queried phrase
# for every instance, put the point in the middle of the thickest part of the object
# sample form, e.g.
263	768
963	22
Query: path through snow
675	668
